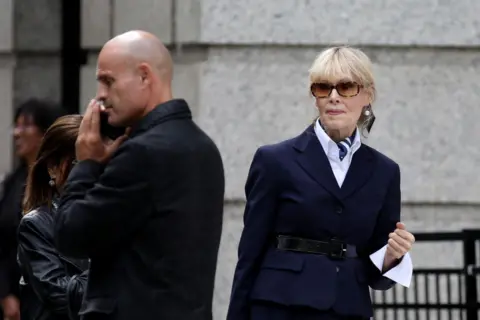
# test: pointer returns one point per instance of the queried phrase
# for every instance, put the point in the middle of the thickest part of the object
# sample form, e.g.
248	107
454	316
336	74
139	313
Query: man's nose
101	93
100	96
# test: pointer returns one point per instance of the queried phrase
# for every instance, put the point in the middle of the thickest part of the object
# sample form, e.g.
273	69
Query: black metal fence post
470	260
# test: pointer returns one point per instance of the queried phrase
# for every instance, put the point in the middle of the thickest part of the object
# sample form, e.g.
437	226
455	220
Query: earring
370	117
366	110
52	182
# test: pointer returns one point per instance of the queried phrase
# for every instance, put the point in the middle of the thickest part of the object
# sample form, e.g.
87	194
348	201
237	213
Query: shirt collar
327	143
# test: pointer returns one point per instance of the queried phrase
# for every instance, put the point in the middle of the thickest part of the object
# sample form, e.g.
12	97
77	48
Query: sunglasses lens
348	89
321	90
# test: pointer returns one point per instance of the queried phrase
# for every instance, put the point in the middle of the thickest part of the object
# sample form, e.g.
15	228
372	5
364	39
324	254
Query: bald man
147	207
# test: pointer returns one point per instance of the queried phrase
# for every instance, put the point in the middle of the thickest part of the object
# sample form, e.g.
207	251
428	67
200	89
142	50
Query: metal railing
436	293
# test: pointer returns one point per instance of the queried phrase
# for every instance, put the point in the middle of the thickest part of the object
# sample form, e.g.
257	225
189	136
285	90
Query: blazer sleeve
259	216
100	207
42	266
386	223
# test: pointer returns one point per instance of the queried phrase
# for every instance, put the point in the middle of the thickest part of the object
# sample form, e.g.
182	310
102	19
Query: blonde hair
345	63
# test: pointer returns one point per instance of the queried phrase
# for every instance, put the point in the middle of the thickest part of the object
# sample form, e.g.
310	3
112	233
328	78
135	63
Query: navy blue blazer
292	190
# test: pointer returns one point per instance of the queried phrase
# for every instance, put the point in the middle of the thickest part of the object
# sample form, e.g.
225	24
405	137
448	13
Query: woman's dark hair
56	150
42	112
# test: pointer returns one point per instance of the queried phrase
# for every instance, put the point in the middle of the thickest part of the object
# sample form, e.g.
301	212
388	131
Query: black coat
11	194
52	285
150	221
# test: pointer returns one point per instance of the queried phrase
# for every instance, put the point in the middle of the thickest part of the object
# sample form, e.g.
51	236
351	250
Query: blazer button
338	269
339	210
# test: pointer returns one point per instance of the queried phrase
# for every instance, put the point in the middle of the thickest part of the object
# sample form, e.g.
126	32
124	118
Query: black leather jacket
52	285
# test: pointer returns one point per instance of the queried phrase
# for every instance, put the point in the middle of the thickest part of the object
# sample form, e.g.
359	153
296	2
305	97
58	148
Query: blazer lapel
359	172
314	161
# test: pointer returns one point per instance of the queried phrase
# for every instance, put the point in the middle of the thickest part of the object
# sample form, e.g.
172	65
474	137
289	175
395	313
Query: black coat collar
173	109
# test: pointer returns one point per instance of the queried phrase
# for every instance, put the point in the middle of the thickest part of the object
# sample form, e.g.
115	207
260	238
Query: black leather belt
333	248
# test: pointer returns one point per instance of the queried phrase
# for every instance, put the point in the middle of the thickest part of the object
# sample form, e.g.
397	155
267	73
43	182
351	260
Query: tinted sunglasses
345	89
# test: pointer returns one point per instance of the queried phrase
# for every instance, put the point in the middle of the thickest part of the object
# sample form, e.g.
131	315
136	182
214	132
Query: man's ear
145	73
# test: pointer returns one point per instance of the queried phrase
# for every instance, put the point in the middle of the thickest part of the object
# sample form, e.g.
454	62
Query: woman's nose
334	96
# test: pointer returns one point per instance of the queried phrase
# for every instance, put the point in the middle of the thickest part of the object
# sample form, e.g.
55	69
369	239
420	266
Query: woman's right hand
11	308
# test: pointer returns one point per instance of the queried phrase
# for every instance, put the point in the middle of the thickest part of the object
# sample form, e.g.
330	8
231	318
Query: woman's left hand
400	242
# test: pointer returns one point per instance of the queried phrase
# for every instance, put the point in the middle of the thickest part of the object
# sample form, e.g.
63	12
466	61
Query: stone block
188	17
187	72
96	23
227	258
88	82
389	22
6	25
6	114
250	97
154	16
185	84
38	25
427	121
37	77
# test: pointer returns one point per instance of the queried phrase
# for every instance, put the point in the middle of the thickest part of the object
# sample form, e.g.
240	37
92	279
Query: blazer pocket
279	260
296	279
101	305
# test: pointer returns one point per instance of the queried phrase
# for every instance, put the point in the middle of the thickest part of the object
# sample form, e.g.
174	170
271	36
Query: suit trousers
273	311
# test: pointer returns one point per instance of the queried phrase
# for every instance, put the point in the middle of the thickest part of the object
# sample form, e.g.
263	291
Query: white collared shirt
402	273
339	167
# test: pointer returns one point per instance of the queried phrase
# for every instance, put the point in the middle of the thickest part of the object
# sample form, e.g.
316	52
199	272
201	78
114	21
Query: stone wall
242	65
30	44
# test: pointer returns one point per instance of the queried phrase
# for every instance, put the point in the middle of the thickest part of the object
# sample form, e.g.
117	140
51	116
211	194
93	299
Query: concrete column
7	64
37	42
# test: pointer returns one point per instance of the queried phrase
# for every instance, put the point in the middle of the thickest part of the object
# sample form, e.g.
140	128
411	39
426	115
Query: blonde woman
322	220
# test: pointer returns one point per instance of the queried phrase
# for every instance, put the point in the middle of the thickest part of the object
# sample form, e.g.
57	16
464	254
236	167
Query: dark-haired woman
51	285
32	118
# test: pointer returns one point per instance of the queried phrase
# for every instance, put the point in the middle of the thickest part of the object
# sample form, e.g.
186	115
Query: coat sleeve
4	275
9	274
261	194
9	220
100	207
75	291
42	266
386	223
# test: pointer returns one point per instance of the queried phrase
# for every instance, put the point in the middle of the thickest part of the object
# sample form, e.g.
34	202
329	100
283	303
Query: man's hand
90	144
11	308
399	243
